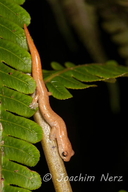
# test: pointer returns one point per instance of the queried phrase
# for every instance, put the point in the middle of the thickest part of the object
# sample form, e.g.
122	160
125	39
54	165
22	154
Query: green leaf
70	82
61	78
20	151
16	79
8	188
15	56
20	175
69	64
122	191
58	86
106	71
20	127
56	66
16	133
19	2
12	32
14	12
58	90
16	102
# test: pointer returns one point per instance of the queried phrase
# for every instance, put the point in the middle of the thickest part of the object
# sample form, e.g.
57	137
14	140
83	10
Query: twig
55	163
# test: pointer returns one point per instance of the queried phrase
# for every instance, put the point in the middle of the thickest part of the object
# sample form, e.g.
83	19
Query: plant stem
55	163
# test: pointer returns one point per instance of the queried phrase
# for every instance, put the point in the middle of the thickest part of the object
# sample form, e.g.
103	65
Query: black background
98	136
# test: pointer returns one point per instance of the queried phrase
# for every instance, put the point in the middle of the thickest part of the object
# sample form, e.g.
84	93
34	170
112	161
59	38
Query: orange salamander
57	124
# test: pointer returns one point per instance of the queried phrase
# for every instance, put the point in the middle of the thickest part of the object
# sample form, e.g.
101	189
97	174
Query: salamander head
67	152
64	146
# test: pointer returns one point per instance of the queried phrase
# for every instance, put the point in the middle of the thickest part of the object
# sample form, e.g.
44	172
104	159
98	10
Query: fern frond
116	25
12	32
20	127
15	56
16	102
14	12
114	20
70	76
17	133
20	175
19	2
16	79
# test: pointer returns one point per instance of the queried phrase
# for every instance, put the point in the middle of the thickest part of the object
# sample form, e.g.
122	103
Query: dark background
98	136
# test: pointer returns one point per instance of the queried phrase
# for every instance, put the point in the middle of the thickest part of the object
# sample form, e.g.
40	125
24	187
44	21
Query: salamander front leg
34	103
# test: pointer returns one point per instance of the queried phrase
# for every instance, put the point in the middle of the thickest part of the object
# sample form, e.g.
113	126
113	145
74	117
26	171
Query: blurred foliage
83	17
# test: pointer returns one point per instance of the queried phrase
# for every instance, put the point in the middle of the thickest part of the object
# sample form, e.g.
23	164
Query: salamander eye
65	154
